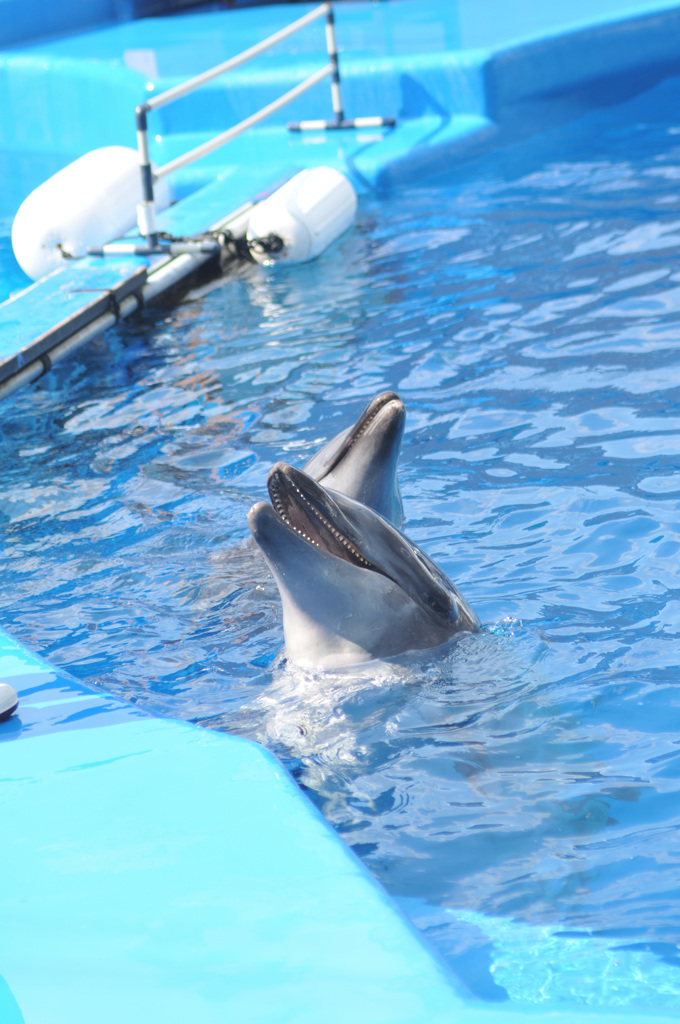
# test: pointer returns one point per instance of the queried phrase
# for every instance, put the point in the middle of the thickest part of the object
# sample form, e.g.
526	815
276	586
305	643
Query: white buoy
307	213
88	203
9	701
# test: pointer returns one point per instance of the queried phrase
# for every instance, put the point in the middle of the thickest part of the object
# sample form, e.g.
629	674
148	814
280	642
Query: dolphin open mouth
311	518
367	418
312	512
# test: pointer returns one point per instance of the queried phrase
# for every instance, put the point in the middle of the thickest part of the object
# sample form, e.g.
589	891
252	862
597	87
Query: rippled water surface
518	791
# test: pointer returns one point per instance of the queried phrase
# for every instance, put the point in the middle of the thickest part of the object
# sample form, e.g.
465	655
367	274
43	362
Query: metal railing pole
241	58
146	213
238	129
339	119
146	210
331	45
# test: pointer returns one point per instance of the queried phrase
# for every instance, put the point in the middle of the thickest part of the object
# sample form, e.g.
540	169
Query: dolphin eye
447	609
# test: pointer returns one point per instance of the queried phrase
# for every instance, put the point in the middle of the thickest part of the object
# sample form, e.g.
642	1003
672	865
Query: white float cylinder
9	701
88	203
308	213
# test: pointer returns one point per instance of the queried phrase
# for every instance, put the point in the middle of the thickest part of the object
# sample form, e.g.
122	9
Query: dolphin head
361	461
352	586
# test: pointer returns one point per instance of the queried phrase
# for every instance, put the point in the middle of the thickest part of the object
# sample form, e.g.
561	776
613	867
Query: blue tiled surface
50	701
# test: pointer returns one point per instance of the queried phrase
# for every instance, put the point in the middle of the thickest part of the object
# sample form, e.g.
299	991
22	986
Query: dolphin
353	587
361	461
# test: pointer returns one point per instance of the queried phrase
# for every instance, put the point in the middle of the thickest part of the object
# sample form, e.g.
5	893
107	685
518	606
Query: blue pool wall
459	77
20	21
160	871
455	75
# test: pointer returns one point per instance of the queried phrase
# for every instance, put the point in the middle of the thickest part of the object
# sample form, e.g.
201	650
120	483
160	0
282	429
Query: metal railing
146	210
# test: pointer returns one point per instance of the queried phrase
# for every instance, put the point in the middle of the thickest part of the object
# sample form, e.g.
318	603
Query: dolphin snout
279	468
255	514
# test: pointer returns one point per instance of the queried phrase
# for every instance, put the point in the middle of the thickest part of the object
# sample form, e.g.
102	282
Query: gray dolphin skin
361	461
353	587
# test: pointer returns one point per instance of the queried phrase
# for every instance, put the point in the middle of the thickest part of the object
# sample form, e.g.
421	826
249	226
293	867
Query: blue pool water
517	792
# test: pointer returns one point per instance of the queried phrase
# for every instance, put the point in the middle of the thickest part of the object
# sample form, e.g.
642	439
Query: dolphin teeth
281	511
346	543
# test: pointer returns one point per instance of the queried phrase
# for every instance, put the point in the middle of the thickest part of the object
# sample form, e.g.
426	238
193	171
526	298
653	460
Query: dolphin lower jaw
335	613
340	614
384	429
467	621
281	546
370	633
311	645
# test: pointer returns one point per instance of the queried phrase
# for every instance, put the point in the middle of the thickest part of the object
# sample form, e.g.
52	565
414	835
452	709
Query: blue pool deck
161	872
155	871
